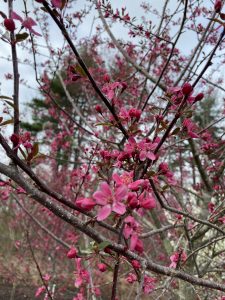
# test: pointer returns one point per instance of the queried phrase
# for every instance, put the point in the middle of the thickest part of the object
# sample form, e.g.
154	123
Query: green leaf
63	4
3	15
80	70
6	97
176	131
216	20
7	122
44	9
104	124
20	37
103	245
35	149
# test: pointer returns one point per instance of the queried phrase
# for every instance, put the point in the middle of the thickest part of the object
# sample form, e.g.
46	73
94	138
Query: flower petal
104	212
151	155
100	198
16	17
119	208
133	242
121	192
105	188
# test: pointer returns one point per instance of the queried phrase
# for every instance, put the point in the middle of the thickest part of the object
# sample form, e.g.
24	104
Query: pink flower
149	284
131	231
147	201
125	179
136	264
131	278
144	148
110	201
164	170
28	23
177	257
222	219
82	275
190	127
39	291
211	207
46	277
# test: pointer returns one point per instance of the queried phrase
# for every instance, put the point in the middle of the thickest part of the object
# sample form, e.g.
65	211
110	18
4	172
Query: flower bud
218	5
187	88
15	139
98	109
199	97
9	24
102	267
135	263
106	78
72	253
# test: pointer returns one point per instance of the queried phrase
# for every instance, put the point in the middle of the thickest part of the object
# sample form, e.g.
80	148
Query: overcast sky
27	72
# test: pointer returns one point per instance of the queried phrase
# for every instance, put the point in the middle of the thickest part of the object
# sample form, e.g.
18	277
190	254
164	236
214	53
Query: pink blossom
125	179
131	278
222	219
145	148
177	257
110	200
46	277
136	264
190	127
28	23
82	275
211	207
164	170
39	291
131	230
147	201
148	284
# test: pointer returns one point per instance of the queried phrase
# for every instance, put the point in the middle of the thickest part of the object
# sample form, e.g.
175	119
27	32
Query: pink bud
98	108
187	88
135	263
106	78
72	253
199	97
218	6
102	267
139	247
76	77
15	139
148	203
9	24
86	203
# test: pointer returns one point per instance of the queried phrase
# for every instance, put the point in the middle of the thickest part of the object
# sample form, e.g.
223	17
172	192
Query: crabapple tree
112	176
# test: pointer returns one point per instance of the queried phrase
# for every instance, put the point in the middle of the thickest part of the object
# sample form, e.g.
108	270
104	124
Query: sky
26	71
